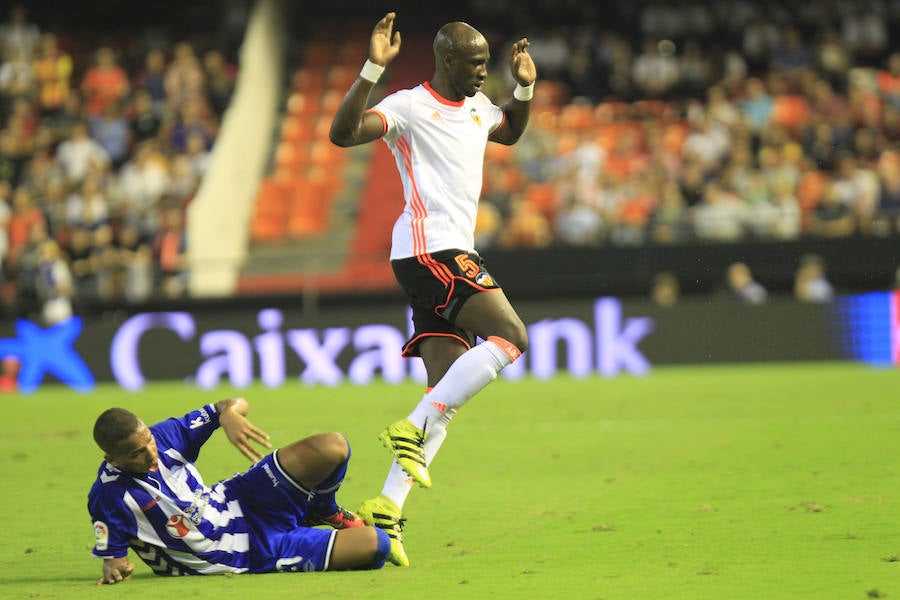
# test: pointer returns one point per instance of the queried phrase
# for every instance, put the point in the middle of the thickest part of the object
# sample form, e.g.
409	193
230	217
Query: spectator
669	222
742	287
113	132
78	154
25	270
16	80
5	214
694	70
665	289
17	34
142	182
52	72
831	217
888	80
63	122
527	227
24	218
144	120
54	285
579	222
16	148
152	80
220	77
655	71
170	252
104	84
810	282
887	216
756	106
184	81
864	30
197	154
88	206
833	59
488	223
183	181
193	120
134	264
780	219
793	54
721	216
79	250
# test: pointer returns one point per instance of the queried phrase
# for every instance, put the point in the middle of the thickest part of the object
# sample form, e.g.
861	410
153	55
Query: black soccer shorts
438	285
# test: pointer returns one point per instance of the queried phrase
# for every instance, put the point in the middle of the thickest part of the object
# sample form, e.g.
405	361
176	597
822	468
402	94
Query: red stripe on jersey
418	207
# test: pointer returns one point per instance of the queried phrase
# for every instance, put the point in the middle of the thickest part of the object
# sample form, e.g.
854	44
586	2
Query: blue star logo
48	351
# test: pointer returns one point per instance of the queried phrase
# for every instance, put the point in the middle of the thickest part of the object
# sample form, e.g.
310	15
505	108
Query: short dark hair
114	426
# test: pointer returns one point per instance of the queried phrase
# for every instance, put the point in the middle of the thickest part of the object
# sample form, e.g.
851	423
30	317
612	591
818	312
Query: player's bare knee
335	447
517	335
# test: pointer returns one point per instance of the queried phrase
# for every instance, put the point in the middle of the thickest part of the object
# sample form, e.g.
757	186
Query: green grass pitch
729	482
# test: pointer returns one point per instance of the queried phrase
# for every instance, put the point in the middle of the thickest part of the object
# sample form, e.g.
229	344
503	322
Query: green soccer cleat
405	441
383	513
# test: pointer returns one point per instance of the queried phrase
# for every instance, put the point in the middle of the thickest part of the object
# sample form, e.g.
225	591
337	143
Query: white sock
398	484
467	376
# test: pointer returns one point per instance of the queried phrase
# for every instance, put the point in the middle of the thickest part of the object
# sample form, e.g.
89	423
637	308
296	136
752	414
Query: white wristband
371	71
523	92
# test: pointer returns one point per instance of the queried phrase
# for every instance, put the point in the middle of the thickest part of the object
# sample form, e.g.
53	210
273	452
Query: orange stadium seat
303	104
296	129
308	208
291	155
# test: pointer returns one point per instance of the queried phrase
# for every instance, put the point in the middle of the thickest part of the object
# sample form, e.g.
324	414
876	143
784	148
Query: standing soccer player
150	497
438	132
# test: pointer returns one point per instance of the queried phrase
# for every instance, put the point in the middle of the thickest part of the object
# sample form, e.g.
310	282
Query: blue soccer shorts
274	507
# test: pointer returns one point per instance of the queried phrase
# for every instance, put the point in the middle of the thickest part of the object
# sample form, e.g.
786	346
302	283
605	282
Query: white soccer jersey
439	148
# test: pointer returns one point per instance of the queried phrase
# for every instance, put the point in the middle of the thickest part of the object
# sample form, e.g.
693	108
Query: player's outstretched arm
352	125
518	108
116	570
240	431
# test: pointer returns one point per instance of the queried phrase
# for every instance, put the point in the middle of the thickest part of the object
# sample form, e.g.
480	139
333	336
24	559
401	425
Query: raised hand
385	43
241	432
520	63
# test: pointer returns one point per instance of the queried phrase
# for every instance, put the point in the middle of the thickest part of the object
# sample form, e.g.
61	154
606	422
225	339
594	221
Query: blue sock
322	499
382	551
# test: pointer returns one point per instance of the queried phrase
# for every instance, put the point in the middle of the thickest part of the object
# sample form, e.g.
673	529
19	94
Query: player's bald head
456	36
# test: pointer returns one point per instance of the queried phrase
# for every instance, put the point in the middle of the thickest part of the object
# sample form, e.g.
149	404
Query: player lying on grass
149	496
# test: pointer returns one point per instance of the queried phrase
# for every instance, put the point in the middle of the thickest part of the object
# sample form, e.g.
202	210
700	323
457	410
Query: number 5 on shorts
468	266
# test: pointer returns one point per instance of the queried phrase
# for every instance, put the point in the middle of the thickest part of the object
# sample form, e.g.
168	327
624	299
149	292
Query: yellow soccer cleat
383	513
405	441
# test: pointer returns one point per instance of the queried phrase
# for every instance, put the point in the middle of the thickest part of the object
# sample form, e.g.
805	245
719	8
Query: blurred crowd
101	149
653	123
720	121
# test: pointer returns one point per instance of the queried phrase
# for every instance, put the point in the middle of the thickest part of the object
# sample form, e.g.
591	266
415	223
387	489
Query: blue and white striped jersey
172	520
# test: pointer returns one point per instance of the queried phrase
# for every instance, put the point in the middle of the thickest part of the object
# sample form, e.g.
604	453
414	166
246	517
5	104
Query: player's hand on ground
520	63
116	570
241	433
385	43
